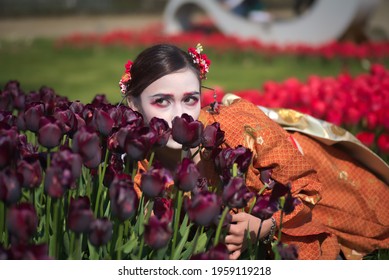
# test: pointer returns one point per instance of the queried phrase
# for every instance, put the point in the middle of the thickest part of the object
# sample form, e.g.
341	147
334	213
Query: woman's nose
179	110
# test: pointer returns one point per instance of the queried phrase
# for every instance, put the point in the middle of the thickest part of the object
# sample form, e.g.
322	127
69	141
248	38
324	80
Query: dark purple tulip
203	207
56	181
22	221
115	167
80	215
236	194
87	115
66	159
76	107
157	232
219	252
202	185
162	131
265	175
86	142
100	232
8	147
12	97
287	252
6	101
124	200
117	139
20	121
100	100
67	120
154	181
30	173
32	115
29	252
264	208
163	208
32	97
187	175
278	190
49	133
7	118
226	158
290	203
125	116
10	190
139	142
213	136
47	96
102	121
95	161
187	131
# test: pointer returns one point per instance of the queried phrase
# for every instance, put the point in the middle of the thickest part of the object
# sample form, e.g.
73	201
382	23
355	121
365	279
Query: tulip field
70	156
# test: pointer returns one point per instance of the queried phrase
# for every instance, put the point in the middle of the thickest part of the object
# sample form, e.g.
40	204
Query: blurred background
79	47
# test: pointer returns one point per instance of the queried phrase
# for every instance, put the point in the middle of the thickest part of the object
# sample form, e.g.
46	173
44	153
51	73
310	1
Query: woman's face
171	96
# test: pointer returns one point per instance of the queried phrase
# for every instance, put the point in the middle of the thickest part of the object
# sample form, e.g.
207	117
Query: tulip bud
236	194
124	200
187	131
80	215
157	233
100	232
22	221
187	175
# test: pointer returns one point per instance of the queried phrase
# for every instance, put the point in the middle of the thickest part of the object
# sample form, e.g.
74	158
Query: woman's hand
240	224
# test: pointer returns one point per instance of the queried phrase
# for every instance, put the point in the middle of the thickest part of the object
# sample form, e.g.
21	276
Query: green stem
77	245
119	242
148	214
55	231
48	215
151	160
234	170
220	225
177	215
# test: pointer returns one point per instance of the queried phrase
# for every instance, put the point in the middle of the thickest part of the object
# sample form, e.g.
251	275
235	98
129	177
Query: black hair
156	62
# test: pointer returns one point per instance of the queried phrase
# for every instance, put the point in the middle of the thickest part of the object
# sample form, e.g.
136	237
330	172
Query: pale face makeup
171	96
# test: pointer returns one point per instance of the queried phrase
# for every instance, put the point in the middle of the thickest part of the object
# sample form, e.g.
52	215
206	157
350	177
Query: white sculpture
325	21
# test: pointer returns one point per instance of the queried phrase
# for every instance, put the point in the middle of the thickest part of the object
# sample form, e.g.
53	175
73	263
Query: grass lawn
81	73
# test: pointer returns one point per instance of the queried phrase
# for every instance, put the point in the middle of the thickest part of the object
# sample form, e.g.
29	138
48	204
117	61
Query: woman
165	82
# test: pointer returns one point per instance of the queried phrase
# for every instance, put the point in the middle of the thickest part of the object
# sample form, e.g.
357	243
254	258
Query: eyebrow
171	94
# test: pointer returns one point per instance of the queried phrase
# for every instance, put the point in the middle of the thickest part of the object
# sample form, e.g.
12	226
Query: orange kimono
344	206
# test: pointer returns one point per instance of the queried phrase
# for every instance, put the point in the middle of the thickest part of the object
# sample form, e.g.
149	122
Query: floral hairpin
123	83
200	59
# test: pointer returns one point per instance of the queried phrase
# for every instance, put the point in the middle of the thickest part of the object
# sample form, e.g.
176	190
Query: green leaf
180	246
184	225
130	245
66	243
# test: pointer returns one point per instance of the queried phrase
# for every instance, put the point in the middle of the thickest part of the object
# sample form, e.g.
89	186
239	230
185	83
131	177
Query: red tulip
367	138
383	143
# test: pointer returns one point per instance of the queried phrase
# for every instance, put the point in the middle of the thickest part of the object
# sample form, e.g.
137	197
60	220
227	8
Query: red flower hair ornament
126	78
200	59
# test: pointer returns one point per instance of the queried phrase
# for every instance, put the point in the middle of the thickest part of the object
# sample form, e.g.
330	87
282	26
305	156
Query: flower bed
220	42
68	187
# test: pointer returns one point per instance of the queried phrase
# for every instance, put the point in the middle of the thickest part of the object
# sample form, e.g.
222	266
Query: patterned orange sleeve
245	124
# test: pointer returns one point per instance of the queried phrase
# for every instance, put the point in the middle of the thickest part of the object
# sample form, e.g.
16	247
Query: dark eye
191	100
161	102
